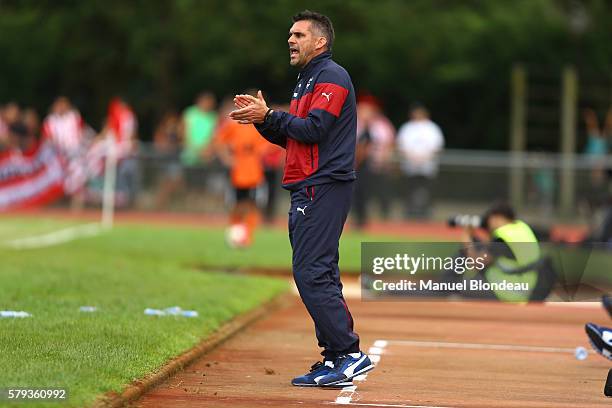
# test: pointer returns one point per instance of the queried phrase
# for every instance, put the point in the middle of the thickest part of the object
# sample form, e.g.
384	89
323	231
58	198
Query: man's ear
321	42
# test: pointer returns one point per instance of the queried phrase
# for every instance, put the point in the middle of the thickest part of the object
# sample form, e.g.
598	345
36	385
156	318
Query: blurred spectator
543	184
3	130
241	148
121	126
419	143
601	232
65	128
377	164
273	160
167	145
365	113
31	120
597	142
18	136
18	130
9	116
198	126
597	149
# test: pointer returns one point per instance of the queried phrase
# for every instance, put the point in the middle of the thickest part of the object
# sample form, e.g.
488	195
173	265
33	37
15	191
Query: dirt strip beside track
433	355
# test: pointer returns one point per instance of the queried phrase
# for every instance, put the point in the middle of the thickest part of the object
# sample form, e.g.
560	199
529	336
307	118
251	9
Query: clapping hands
249	109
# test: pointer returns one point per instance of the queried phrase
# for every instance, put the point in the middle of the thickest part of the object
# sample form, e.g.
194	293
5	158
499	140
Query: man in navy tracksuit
319	133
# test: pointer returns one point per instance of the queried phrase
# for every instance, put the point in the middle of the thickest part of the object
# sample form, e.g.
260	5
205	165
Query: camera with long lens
466	220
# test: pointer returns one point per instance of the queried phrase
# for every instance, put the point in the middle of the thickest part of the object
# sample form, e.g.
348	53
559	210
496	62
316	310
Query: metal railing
467	182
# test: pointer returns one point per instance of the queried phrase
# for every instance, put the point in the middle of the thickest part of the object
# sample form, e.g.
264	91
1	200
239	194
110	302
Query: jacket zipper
311	158
311	170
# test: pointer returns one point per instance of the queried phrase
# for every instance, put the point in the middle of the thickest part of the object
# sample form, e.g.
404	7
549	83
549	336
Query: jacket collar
309	68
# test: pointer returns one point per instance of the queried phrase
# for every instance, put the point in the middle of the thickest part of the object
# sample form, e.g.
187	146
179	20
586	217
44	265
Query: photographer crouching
514	268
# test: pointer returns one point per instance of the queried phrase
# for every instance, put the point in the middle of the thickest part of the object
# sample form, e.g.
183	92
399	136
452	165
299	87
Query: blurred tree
453	56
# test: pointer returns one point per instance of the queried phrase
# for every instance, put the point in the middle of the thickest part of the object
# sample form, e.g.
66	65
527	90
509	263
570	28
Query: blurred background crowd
467	102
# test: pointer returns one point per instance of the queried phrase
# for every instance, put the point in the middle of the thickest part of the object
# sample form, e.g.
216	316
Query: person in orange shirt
241	148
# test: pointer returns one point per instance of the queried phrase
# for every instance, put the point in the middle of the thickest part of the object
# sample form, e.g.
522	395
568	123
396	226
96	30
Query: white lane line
341	400
363	404
346	394
56	237
375	350
480	346
594	304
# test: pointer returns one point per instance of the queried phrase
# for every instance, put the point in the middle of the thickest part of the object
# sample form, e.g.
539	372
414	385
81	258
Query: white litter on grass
173	311
13	313
154	312
88	309
190	313
170	311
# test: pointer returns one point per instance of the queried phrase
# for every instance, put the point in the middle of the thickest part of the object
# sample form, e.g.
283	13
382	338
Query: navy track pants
316	219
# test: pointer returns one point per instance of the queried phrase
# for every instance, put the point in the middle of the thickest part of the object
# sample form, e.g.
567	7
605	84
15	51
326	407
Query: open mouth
293	52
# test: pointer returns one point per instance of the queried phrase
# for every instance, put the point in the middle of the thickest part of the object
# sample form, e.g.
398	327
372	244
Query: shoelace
316	366
340	360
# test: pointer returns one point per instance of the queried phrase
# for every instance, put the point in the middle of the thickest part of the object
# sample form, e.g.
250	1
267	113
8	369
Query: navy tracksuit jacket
319	133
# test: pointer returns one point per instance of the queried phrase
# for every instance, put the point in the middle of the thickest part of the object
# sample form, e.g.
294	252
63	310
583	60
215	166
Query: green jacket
526	250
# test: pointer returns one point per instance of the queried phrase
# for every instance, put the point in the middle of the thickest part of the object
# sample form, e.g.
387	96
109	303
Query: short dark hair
499	208
417	105
321	22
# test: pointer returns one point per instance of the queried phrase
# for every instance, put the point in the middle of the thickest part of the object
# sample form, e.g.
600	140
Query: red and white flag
32	179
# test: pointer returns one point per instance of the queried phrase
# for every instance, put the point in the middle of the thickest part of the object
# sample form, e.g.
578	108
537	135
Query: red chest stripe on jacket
303	106
299	162
328	97
293	107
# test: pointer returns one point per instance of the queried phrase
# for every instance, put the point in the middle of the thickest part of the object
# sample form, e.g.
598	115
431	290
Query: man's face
206	103
365	112
303	43
11	113
496	221
61	106
419	114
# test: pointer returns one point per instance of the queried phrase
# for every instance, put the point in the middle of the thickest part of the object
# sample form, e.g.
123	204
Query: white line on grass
56	237
480	346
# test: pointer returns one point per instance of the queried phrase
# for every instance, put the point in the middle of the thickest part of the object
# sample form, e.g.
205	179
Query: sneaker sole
304	385
338	385
363	370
